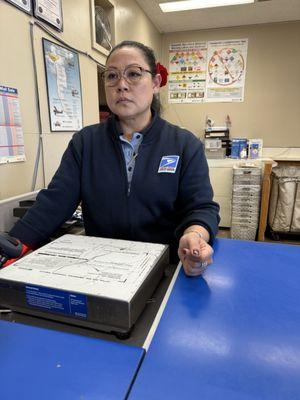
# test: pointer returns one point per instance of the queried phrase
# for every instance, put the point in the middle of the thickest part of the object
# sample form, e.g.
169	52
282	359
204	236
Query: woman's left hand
194	253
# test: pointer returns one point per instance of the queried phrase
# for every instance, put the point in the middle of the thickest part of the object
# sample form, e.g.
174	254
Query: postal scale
99	283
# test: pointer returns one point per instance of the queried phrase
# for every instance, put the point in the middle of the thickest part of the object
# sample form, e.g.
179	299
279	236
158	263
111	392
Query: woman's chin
122	109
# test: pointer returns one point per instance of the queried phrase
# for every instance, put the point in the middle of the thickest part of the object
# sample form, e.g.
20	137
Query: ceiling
263	11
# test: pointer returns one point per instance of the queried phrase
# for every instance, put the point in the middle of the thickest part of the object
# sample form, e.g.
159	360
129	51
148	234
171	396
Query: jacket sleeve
57	203
195	198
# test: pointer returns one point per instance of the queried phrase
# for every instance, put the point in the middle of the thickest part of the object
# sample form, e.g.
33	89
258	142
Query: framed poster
49	11
63	87
24	5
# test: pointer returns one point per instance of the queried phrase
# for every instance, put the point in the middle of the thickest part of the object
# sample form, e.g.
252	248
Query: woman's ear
156	83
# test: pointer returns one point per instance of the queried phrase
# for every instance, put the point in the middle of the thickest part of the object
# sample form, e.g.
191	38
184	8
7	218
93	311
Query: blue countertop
42	364
232	334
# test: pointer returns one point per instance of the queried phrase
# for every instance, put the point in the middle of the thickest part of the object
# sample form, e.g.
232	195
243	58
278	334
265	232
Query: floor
279	238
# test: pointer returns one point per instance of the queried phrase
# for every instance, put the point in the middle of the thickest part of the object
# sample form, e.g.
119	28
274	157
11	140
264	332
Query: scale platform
94	282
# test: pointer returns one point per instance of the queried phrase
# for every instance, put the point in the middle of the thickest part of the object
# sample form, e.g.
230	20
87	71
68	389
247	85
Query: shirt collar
137	137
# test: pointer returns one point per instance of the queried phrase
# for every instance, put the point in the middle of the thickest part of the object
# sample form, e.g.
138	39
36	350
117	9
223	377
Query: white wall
272	91
16	70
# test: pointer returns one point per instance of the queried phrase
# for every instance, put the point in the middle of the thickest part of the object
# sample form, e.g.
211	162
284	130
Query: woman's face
131	100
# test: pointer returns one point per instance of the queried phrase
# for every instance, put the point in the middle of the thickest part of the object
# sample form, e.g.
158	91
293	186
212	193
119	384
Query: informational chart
226	70
187	72
226	66
212	71
64	87
11	132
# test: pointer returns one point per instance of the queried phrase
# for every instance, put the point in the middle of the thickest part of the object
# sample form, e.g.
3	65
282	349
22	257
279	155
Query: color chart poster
187	72
213	71
11	132
226	70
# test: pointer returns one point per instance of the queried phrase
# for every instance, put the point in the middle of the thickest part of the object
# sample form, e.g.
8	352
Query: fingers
194	268
194	265
193	243
195	256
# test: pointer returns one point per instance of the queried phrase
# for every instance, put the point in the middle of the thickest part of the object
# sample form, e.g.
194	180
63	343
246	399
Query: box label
57	301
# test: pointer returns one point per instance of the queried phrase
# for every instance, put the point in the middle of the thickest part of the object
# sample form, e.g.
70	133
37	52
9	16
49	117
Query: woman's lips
123	100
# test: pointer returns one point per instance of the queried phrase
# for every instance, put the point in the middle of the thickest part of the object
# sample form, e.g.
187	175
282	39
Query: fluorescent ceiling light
197	4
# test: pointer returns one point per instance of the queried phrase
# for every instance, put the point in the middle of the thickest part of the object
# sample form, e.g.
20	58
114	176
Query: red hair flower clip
163	72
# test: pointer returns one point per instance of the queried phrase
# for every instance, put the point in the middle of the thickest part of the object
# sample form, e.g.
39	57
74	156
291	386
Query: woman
137	176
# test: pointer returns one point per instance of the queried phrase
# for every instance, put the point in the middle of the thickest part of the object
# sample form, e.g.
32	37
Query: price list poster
11	132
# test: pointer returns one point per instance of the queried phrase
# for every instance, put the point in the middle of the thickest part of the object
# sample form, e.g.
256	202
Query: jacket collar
149	132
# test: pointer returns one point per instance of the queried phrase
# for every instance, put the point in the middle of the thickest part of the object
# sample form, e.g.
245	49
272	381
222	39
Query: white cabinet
220	172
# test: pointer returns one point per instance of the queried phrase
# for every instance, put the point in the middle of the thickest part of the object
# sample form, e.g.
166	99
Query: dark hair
149	56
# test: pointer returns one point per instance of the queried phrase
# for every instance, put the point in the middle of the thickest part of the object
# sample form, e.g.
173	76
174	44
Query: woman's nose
122	84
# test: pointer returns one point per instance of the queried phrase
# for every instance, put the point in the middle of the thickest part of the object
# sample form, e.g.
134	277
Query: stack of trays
246	191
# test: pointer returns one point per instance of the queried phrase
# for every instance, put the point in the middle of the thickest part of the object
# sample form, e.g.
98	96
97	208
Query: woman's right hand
194	253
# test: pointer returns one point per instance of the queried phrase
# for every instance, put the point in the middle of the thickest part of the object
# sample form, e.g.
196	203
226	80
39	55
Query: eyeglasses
132	75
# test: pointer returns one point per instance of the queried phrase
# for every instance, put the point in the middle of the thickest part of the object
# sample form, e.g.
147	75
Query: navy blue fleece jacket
158	207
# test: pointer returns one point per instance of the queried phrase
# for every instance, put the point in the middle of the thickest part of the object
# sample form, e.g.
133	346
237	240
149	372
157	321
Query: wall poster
226	70
50	11
187	72
63	86
11	133
211	71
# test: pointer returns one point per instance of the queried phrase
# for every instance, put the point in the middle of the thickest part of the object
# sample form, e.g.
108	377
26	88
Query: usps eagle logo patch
168	164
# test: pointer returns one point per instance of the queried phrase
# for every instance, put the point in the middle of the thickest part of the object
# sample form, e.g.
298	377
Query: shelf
230	162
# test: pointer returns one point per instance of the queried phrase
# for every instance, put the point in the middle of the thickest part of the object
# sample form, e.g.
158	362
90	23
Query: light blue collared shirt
130	150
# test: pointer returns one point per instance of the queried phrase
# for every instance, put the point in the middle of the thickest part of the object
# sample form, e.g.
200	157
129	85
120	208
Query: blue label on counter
57	301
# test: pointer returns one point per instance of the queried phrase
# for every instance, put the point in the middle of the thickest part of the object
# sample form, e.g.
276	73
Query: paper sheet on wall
64	87
226	70
187	72
90	265
207	71
11	132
